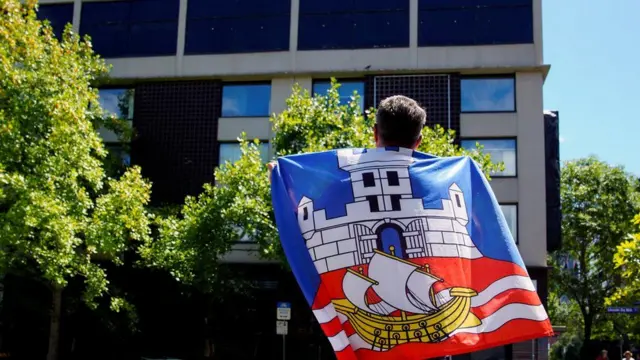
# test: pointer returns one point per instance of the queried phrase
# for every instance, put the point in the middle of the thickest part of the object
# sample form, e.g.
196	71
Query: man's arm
270	167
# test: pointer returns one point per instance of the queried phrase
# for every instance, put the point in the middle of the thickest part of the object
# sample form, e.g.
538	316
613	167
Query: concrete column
182	32
413	32
293	32
532	221
77	15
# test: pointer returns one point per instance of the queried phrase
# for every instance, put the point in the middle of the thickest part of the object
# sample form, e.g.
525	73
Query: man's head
399	122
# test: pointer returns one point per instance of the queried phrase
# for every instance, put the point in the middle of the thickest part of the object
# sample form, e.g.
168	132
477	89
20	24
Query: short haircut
399	121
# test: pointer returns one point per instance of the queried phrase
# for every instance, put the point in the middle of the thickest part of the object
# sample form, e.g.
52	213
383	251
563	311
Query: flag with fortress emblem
403	255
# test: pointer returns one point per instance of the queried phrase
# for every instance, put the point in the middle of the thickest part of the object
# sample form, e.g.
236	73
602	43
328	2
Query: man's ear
375	133
418	142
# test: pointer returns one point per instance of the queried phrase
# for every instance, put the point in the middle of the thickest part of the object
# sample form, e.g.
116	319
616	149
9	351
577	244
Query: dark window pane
237	35
500	150
475	22
392	178
105	12
355	30
199	9
373	203
504	25
345	90
118	102
326	6
379	5
459	24
237	26
108	40
325	31
154	10
305	215
59	15
368	180
125	28
246	100
488	94
448	4
148	39
380	30
395	202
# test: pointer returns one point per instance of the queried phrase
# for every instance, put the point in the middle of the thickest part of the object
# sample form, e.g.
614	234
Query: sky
593	47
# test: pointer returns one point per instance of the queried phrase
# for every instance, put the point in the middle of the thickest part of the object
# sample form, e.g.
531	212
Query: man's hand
270	167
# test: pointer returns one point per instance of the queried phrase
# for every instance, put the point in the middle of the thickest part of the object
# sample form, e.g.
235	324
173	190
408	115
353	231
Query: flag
402	255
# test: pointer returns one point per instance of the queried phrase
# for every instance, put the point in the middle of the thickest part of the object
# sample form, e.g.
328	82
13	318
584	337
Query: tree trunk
587	348
54	323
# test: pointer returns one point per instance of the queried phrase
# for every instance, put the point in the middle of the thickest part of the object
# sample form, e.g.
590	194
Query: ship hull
385	332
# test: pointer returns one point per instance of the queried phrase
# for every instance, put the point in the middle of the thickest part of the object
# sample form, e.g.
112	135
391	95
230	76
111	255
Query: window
305	214
59	15
488	94
118	102
373	203
131	28
246	100
239	26
339	24
511	215
368	180
231	152
345	91
478	22
500	150
395	202
392	178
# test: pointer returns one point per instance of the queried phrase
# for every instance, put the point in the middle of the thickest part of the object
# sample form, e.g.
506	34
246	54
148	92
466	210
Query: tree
627	260
208	225
59	212
598	203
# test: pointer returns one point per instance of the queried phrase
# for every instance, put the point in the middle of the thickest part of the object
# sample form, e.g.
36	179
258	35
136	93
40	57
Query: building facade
193	74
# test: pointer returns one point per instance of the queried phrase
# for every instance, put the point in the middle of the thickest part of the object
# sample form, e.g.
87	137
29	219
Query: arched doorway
390	240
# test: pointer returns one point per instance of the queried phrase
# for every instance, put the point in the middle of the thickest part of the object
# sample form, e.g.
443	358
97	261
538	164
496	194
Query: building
192	75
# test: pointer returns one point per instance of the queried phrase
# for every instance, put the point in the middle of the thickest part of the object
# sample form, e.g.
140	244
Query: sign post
283	315
623	310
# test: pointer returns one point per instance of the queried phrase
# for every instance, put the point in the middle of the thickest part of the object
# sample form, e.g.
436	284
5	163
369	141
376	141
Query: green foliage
567	347
598	202
627	261
58	209
191	242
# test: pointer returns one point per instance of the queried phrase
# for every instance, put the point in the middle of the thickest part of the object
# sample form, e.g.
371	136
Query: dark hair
399	121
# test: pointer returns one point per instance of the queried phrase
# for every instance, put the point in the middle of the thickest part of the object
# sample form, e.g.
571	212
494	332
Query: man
399	122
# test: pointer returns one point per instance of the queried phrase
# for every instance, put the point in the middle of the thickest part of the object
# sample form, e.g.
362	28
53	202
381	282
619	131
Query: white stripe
343	318
339	341
515	282
500	286
325	314
357	343
505	314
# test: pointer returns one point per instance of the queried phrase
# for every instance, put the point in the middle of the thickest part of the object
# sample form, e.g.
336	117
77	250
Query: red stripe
346	354
332	328
512	332
507	297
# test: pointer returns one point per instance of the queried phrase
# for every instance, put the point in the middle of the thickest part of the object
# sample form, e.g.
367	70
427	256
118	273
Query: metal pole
284	347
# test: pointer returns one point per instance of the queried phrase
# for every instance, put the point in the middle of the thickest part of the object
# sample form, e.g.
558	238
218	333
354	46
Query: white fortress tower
384	216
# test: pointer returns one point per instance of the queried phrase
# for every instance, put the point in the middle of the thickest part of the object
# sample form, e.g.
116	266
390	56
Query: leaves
598	202
627	261
58	209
